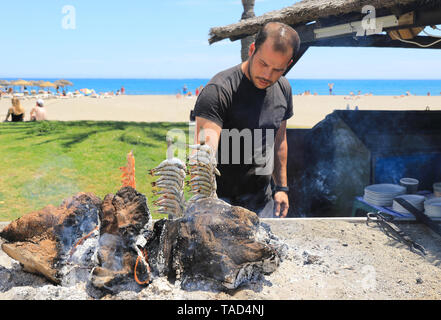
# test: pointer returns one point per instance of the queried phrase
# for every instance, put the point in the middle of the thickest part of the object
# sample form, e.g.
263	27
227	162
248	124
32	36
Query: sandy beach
308	110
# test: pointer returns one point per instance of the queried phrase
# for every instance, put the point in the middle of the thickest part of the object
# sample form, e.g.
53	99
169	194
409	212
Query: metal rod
419	215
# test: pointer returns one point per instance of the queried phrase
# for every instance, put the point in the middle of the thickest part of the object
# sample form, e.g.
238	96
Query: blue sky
168	39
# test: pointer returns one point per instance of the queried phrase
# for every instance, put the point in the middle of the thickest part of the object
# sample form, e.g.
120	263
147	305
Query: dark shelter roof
307	11
340	23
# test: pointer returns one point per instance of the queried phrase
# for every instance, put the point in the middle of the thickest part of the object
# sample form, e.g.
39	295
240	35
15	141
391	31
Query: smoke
50	181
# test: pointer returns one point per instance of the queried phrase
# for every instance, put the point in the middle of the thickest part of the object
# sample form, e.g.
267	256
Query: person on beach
16	111
38	113
331	86
255	100
123	90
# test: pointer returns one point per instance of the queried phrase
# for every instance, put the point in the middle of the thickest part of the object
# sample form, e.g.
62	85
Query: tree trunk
248	12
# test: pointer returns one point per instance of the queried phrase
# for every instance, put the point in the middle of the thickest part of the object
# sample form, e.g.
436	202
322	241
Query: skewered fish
170	186
202	168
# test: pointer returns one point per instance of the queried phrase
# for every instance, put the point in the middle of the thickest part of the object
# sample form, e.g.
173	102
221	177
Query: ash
213	249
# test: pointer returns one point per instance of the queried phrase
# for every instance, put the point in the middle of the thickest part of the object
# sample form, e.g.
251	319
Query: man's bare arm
211	132
281	201
280	157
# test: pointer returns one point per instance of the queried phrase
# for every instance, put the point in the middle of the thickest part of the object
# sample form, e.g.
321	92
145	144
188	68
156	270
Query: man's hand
281	204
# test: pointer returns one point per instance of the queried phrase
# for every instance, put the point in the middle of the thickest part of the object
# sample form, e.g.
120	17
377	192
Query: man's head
40	103
271	53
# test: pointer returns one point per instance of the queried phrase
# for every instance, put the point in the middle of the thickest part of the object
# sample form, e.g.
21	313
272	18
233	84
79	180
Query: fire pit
101	244
334	258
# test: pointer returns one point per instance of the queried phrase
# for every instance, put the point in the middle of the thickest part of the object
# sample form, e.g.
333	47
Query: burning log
84	236
124	217
214	242
45	241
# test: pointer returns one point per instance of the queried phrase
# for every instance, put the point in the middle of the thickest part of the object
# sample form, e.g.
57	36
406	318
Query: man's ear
251	49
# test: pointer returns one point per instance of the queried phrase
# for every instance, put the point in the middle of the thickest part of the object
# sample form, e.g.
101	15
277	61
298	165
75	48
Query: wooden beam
406	34
407	19
379	41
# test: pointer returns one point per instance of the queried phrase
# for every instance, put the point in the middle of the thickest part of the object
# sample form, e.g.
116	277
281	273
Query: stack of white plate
414	199
433	207
382	194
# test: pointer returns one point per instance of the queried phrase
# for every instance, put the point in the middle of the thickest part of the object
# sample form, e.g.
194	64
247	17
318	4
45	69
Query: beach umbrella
36	83
86	91
63	83
5	83
21	83
32	84
47	84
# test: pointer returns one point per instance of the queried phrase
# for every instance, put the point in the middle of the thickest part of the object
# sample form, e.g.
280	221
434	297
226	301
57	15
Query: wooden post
248	12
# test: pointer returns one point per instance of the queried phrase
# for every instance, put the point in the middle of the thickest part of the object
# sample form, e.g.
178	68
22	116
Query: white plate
385	189
433	207
378	203
414	198
380	197
409	181
398	208
433	213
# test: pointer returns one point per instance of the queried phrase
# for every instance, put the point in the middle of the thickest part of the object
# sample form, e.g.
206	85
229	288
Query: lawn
44	163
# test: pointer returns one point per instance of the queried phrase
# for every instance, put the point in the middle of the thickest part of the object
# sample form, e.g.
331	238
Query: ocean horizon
152	86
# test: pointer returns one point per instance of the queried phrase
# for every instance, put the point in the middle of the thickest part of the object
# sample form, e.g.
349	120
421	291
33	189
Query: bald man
243	112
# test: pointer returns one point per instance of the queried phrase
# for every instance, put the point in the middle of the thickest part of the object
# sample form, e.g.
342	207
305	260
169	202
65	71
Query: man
331	86
38	113
254	98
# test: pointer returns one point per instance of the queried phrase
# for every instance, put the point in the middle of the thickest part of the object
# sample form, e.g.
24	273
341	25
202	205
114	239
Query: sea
299	86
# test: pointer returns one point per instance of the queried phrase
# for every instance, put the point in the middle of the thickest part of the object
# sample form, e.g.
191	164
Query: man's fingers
285	210
277	208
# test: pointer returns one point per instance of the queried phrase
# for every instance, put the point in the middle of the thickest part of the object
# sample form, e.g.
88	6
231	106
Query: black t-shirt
232	101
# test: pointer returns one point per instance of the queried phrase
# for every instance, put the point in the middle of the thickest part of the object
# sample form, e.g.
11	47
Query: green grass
47	162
